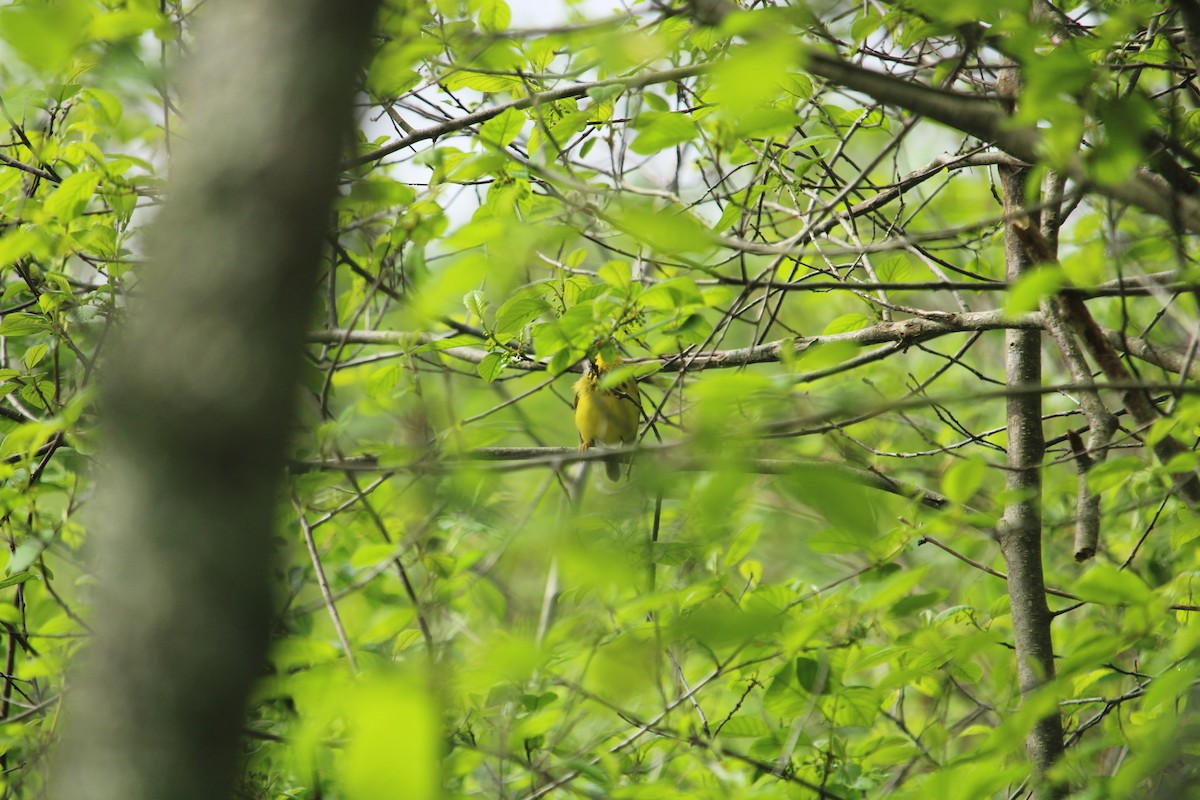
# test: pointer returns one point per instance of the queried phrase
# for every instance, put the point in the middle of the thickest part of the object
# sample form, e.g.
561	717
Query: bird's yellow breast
608	415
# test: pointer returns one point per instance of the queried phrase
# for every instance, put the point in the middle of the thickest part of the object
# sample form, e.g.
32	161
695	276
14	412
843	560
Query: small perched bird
607	415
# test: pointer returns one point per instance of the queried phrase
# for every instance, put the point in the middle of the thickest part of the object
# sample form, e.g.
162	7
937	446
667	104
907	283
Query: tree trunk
197	400
1020	531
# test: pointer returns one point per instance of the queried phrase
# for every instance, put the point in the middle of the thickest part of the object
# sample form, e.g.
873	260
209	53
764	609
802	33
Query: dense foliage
789	221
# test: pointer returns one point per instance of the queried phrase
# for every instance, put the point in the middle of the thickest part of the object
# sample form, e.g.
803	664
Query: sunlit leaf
394	747
72	195
658	130
1107	585
502	129
1032	288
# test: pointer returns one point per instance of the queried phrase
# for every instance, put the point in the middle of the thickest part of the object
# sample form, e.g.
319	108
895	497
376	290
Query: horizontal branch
528	457
1172	359
674	455
21	165
1141	286
906	332
667	455
909	331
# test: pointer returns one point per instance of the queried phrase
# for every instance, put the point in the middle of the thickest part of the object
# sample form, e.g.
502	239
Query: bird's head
606	356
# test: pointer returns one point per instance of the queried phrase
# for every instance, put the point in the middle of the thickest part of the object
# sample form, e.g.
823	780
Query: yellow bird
607	415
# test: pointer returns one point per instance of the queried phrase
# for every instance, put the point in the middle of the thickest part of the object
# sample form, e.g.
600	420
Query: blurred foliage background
796	592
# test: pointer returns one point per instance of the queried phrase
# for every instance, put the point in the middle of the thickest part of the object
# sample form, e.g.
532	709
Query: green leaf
659	130
815	677
1160	429
886	593
730	215
1112	473
490	367
1032	288
97	240
1085	265
893	270
667	229
618	375
718	625
26	554
494	15
34	355
798	85
691	329
1127	120
518	312
1106	585
565	129
14	580
848	507
1183	462
127	23
963	613
671	294
560	361
746	81
369	556
72	195
865	25
22	324
489	84
617	274
475	303
501	130
742	725
16	245
45	35
741	545
395	735
607	92
1061	72
1171	688
655	101
847	323
374	195
917	602
963	479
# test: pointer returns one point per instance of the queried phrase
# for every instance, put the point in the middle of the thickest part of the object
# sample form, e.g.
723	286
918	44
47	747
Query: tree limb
910	331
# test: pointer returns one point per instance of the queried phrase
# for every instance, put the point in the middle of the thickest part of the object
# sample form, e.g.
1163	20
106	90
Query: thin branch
988	121
323	583
21	165
909	331
484	114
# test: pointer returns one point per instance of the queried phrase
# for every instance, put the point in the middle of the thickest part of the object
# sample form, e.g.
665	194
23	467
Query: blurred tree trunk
198	398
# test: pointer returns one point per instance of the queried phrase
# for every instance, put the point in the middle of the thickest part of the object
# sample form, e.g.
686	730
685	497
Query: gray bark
1020	530
196	403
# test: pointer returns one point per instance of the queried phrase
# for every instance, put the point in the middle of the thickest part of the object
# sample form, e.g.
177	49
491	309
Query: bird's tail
612	468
